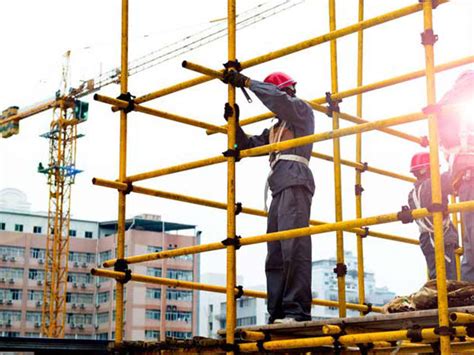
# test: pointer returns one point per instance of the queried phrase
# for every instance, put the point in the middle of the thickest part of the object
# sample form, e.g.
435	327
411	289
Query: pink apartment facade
151	311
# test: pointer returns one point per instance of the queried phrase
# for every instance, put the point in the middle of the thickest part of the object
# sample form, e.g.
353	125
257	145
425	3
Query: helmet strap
290	90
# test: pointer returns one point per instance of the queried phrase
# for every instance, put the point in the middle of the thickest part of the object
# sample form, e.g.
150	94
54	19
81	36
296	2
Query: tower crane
68	112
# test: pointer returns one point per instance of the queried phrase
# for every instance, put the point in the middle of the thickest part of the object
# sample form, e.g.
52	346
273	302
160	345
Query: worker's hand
228	111
236	79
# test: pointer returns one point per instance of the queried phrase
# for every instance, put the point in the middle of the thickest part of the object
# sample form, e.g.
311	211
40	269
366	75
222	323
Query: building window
72	233
153	293
154	249
177	295
102	336
152	334
186	275
105	255
10	294
37	229
2	226
102	318
103	297
10	316
178	335
153	271
34	317
35	295
154	314
37	253
80	257
34	274
178	316
246	321
11	252
18	227
7	274
88	235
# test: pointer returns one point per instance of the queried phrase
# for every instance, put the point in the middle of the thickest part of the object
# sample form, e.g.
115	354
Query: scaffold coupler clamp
229	347
261	343
333	105
229	111
240	291
232	241
405	215
364	348
340	270
364	168
130	99
415	334
235	153
238	208
445	331
121	265
437	207
128	189
424	141
428	37
369	308
365	233
434	5
358	189
235	65
470	330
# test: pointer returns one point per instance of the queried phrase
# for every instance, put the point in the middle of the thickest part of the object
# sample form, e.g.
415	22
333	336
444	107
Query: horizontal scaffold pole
158	113
213	288
367	88
314	105
350	339
293	48
290	234
223	206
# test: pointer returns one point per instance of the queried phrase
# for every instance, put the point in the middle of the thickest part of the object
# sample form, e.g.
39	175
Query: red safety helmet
281	80
420	161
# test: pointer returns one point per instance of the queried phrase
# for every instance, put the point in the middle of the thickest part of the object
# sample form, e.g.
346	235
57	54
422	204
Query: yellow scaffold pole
428	40
213	288
341	268
457	254
390	16
358	177
122	174
231	235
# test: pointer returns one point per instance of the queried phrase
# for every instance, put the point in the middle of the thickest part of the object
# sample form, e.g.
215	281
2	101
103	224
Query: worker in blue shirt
288	262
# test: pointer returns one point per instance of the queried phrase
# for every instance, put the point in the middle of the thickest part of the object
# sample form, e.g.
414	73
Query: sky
35	35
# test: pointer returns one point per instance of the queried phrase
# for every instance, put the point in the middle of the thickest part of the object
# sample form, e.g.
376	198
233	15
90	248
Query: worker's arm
446	185
246	142
291	109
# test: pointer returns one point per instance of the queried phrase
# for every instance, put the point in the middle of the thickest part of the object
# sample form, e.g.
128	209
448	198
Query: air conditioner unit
11	281
74	285
76	264
4	258
84	265
96	326
9	302
37	325
83	285
2	280
12	258
72	325
97	285
40	261
81	326
1	301
82	306
38	303
74	305
97	305
40	282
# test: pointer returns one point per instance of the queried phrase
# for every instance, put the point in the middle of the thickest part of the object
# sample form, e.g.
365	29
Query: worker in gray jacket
288	262
420	197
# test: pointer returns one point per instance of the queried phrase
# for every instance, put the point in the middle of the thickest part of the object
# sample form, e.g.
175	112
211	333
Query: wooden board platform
369	323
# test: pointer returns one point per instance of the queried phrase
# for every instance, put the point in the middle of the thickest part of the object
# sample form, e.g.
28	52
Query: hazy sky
36	34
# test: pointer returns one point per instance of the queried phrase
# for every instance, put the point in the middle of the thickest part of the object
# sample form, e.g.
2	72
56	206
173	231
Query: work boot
286	320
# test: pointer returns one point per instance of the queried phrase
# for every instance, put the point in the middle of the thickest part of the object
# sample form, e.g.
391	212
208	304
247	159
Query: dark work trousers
428	251
466	193
288	263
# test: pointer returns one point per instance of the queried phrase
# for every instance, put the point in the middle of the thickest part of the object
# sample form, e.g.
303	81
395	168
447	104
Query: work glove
236	79
228	111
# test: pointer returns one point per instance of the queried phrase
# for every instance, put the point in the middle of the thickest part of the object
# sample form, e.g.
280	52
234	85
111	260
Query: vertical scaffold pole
428	40
340	267
122	174
455	217
358	178
231	262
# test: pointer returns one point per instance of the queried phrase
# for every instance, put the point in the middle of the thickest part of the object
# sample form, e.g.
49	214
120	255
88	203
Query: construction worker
288	262
455	119
420	197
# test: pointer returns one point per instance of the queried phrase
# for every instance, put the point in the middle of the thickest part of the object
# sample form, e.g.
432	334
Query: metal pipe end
96	97
94	271
453	317
184	64
94	181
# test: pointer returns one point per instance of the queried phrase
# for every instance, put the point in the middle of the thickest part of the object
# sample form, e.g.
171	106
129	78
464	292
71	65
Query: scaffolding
450	330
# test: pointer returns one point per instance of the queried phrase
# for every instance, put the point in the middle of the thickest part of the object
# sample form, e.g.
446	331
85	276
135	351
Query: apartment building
152	312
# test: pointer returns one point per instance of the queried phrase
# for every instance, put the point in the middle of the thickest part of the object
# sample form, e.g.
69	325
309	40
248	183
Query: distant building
151	311
324	286
253	311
